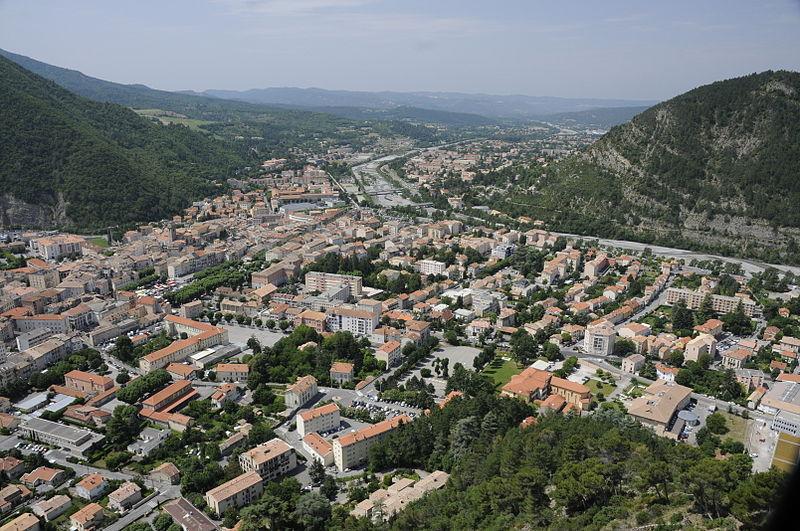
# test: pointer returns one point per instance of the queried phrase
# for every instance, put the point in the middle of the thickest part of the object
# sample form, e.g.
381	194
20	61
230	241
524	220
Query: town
269	341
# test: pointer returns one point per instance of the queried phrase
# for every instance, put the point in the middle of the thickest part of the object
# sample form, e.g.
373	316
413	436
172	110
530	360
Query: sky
632	49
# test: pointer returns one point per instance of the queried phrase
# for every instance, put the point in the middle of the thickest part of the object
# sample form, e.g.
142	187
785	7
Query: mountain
493	106
69	162
219	108
602	118
716	168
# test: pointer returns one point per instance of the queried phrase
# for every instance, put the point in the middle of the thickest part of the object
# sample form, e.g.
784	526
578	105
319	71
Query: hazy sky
639	49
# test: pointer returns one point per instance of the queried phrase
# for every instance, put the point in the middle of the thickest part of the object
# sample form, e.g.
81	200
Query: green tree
313	510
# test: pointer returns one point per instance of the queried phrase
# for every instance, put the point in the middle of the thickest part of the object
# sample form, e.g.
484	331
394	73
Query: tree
317	472
254	345
752	499
624	347
523	346
675	358
736	322
551	351
716	424
706	310
329	487
283	324
123	349
681	317
123	377
123	426
312	510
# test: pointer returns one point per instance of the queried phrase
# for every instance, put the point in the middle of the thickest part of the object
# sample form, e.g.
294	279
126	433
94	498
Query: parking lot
239	335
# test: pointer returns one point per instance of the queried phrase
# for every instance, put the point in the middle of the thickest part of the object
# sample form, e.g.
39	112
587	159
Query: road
749	266
169	493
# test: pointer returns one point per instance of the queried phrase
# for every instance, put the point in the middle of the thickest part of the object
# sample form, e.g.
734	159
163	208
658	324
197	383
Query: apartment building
431	267
300	392
322	282
238	492
390	353
599	339
270	460
357	322
702	344
312	319
351	450
721	304
87	382
55	247
124	497
195	261
321	419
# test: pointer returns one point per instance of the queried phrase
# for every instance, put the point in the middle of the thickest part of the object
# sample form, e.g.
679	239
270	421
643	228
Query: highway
749	266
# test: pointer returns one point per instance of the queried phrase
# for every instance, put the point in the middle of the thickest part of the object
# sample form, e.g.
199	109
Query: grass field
166	117
501	371
599	387
737	426
99	242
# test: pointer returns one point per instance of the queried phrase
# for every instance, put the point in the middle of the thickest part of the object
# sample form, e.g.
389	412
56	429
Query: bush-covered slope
717	168
67	161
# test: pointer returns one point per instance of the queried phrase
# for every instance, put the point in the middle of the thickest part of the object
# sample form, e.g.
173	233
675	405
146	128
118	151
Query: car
753	455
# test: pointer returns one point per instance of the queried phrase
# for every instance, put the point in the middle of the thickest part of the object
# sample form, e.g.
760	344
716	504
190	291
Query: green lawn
99	242
597	386
737	426
501	371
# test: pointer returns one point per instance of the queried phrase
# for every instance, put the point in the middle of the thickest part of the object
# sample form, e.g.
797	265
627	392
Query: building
736	358
166	473
124	497
231	372
351	450
238	492
318	448
357	322
51	508
321	419
270	460
311	319
76	440
55	247
88	518
702	344
44	475
175	391
88	383
322	282
385	503
658	406
633	363
721	304
341	373
390	353
91	487
188	517
431	267
599	339
11	496
23	522
786	455
300	392
201	336
12	467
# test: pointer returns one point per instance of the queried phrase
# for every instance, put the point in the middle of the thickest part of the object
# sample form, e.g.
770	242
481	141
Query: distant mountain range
491	106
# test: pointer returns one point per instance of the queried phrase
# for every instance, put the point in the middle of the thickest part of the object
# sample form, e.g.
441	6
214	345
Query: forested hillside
717	168
601	472
70	162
